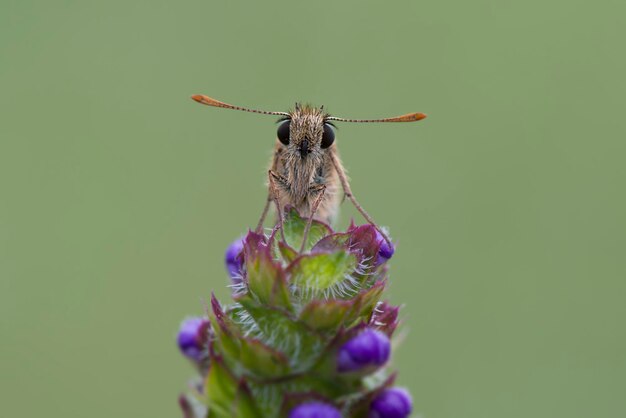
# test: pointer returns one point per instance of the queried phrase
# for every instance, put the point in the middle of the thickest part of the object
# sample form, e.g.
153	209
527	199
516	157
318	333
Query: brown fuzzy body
303	177
302	180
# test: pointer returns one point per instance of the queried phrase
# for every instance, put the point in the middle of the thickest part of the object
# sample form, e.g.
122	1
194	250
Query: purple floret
369	348
385	251
233	259
314	410
392	403
192	338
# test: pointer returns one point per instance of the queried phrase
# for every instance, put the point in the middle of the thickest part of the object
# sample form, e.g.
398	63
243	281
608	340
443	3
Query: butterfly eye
328	137
283	132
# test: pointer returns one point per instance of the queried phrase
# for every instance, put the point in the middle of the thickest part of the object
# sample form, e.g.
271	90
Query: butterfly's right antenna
409	117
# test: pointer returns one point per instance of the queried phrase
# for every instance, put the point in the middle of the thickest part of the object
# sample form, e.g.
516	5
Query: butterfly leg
259	227
319	189
273	179
348	193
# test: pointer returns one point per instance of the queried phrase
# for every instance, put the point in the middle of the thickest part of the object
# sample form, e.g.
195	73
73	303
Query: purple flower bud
193	337
233	259
385	252
392	403
369	348
314	410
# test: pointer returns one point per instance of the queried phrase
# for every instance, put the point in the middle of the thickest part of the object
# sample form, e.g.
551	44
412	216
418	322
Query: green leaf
227	397
364	303
244	404
294	225
282	332
325	315
323	271
333	242
262	360
226	342
221	388
266	280
226	331
288	253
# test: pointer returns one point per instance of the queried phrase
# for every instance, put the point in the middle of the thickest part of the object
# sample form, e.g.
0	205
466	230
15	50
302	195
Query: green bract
275	346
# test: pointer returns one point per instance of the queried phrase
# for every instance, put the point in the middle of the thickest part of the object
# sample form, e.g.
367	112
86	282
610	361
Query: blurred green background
120	194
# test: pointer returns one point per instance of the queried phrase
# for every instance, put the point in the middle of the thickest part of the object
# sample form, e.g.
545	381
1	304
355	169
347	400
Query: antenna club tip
197	97
420	116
